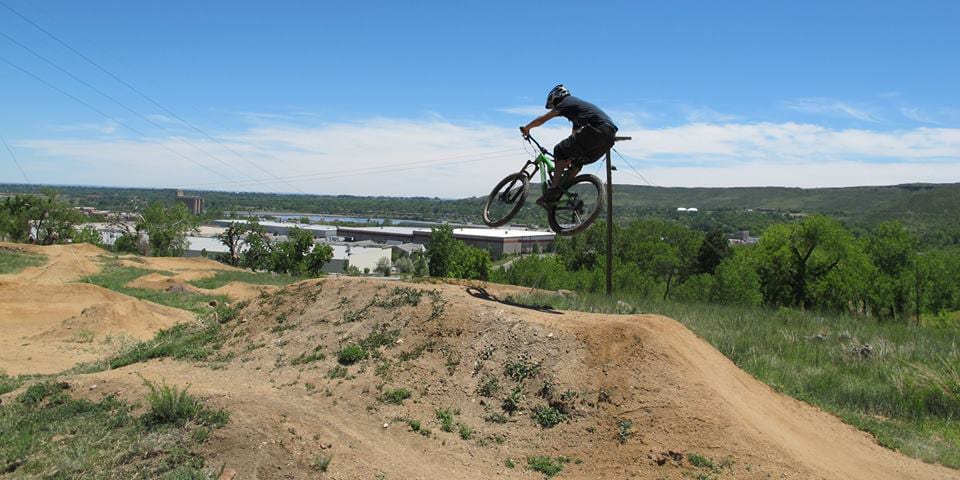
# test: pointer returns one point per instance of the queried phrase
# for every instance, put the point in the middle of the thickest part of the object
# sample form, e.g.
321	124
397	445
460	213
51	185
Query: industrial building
194	204
283	228
498	242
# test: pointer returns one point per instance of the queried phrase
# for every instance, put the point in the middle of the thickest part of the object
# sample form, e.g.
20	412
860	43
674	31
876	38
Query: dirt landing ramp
47	328
678	393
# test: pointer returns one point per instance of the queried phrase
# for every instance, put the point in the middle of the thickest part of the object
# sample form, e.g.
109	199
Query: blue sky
423	98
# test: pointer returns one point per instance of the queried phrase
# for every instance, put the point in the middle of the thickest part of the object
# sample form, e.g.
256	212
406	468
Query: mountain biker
593	135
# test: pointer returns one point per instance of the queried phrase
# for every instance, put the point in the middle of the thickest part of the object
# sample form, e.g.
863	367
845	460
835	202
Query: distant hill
921	206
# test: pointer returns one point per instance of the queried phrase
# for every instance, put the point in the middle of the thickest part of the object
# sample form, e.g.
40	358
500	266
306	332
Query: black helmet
556	94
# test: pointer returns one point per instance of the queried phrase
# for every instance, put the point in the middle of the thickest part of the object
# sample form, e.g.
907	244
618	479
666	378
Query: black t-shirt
581	113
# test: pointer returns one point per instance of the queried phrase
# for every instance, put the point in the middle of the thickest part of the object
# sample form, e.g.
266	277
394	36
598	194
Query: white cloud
437	157
831	106
524	110
707	115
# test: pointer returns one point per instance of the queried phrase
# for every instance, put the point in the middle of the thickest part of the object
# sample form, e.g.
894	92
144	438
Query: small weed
338	371
380	337
414	425
547	416
351	355
350	316
415	353
172	406
321	462
83	336
305	357
465	432
509	463
446	418
400	296
624	430
511	404
521	368
309	386
547	465
496	417
489	386
396	396
283	327
701	461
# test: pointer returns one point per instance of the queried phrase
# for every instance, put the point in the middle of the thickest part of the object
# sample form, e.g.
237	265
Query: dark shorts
586	145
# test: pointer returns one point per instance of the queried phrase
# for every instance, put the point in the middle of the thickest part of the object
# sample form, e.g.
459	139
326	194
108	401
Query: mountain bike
577	208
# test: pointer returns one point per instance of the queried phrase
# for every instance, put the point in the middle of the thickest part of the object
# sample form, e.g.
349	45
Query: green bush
396	396
351	355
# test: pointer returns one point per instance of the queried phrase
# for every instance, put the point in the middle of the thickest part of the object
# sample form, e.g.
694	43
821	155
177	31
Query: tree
736	279
53	220
43	218
288	256
15	218
237	236
404	264
89	235
891	249
383	267
792	258
166	228
449	257
259	249
314	261
442	251
713	250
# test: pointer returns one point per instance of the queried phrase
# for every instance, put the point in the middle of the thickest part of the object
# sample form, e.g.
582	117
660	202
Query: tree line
814	263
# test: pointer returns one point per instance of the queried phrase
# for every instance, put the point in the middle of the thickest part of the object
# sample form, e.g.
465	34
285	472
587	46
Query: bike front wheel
506	199
579	206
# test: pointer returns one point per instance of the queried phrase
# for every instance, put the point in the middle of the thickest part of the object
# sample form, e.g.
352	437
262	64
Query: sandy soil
179	282
65	263
47	328
679	394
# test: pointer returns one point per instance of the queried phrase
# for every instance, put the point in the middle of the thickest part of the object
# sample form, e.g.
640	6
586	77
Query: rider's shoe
551	196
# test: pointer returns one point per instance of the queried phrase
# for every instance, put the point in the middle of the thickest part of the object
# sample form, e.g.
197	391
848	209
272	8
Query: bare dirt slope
48	328
65	263
638	395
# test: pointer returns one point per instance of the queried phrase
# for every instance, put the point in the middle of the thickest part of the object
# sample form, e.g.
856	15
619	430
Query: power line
118	102
15	160
138	92
634	169
108	117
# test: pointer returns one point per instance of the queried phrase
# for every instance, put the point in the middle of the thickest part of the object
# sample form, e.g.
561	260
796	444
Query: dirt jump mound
444	381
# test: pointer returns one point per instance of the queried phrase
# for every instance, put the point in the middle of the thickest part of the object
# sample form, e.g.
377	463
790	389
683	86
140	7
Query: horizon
424	100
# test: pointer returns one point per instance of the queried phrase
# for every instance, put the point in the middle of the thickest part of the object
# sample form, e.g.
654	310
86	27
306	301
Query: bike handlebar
530	138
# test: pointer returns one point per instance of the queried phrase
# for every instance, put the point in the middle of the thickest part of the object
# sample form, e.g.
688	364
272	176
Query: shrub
172	406
396	396
351	355
547	416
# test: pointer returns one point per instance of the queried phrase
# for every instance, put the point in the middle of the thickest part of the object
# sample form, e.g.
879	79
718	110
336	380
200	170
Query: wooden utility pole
610	169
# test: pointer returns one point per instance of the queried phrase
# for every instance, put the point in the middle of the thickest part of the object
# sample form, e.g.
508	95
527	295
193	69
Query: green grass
46	433
114	276
8	383
184	341
321	462
224	277
351	354
906	391
396	396
446	418
548	466
173	406
14	261
547	416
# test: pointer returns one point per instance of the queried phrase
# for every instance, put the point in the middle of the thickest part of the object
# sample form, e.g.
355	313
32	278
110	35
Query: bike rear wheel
579	206
506	199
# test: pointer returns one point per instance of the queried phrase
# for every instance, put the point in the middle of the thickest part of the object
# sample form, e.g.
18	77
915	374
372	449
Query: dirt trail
48	328
65	263
678	393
